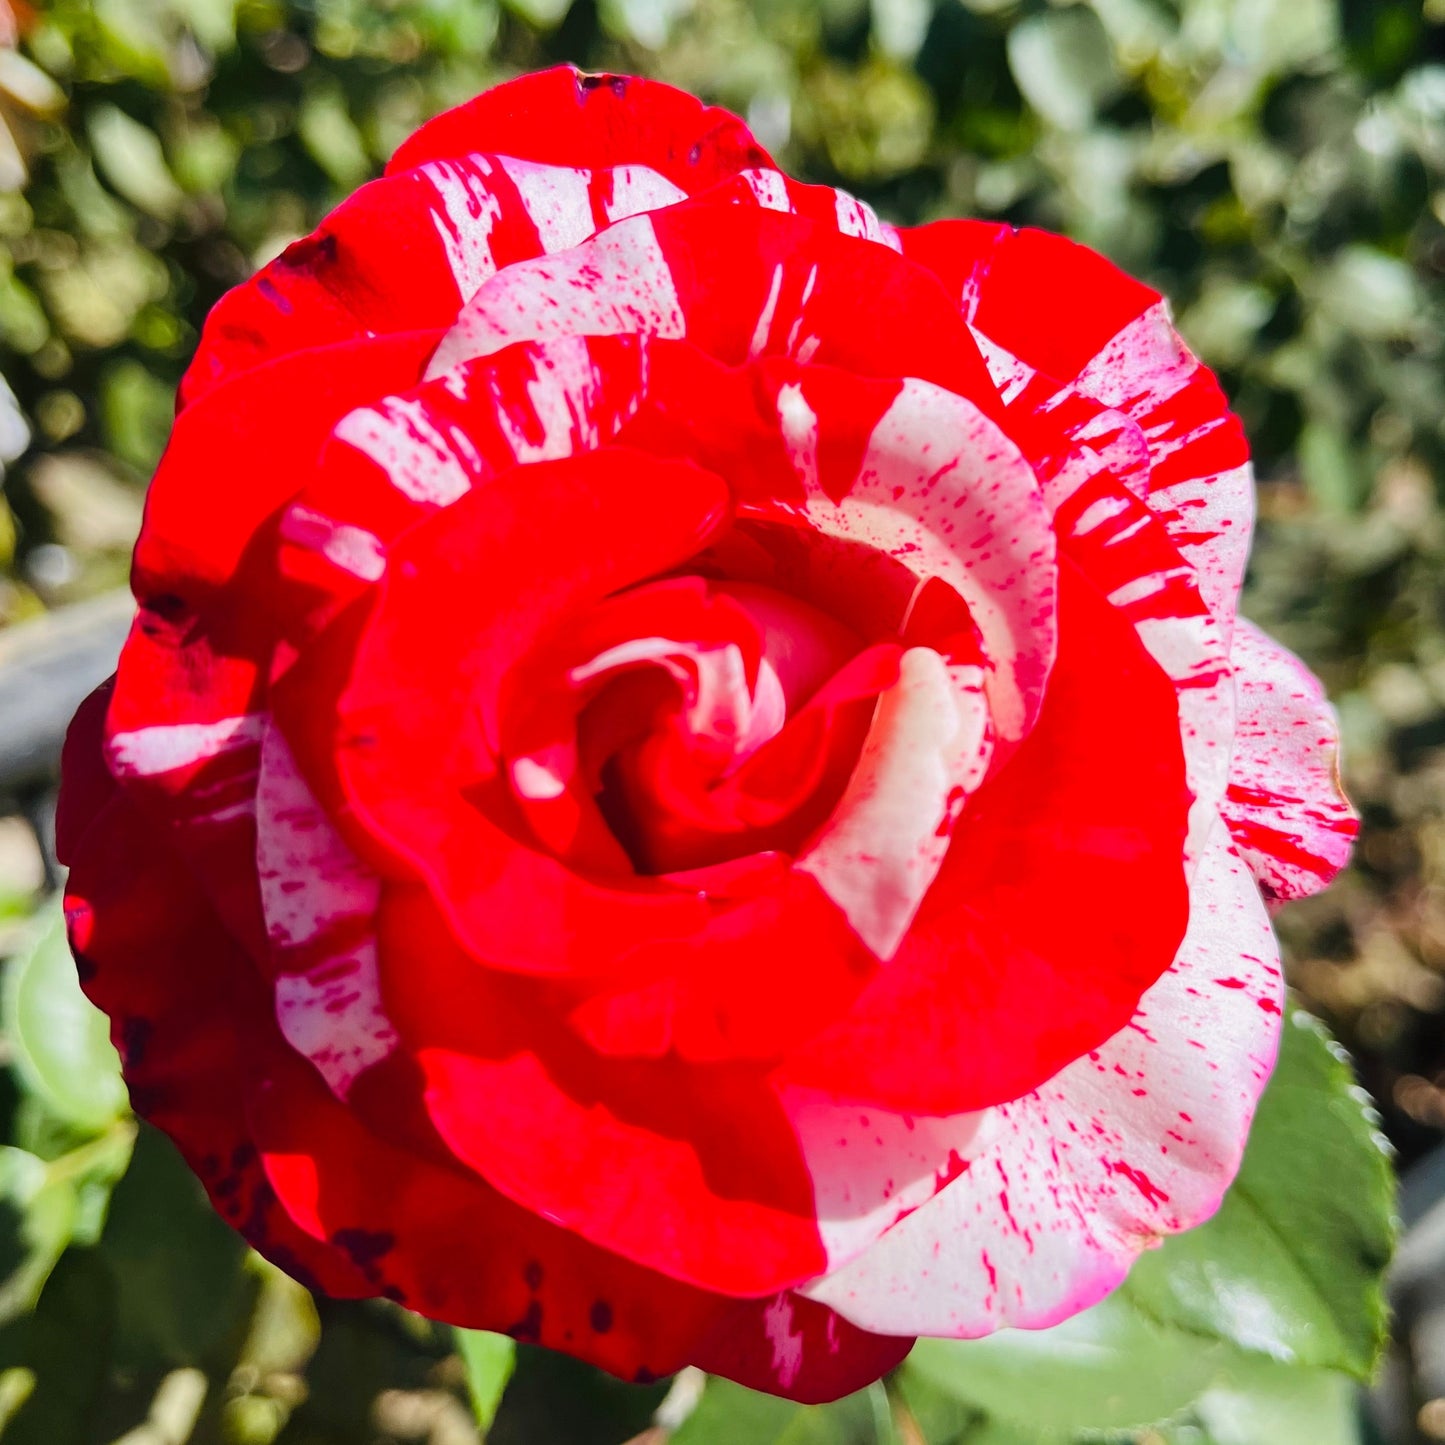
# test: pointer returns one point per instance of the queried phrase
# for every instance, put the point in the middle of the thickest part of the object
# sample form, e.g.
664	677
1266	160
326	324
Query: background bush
1276	166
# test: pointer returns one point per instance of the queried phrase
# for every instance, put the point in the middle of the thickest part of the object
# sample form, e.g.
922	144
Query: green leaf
939	1415
331	138
728	1413
62	1041
1109	1368
544	14
555	1398
489	1360
36	1218
1372	293
1269	1404
1290	1271
47	1205
1292	1265
133	162
182	1290
69	1351
1064	65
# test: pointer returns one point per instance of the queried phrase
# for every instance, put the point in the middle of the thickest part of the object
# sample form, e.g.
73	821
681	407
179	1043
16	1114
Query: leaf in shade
181	1287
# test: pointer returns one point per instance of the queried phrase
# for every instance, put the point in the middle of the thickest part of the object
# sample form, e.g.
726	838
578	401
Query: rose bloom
687	784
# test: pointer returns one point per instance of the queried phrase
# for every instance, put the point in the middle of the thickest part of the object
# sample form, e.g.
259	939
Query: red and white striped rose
686	782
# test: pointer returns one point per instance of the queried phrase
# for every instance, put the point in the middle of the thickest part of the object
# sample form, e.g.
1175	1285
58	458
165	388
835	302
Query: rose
686	783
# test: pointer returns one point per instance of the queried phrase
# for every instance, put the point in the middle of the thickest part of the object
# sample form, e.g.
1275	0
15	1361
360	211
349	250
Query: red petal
790	1345
1056	307
1061	900
728	1200
565	117
1135	1140
86	784
739	282
293	1169
189	1016
1049	301
185	715
414	739
442	1242
456	222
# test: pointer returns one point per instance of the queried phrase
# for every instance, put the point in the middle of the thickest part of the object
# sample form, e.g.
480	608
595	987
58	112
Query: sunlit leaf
132	160
61	1040
728	1413
489	1360
36	1217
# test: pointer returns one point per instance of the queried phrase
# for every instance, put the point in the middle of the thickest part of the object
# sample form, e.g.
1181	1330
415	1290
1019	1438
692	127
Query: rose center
687	723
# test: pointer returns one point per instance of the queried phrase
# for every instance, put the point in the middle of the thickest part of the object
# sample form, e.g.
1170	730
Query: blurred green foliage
1276	166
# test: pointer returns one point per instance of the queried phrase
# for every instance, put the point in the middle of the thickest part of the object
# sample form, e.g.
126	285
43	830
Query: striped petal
1120	349
1289	819
1138	1139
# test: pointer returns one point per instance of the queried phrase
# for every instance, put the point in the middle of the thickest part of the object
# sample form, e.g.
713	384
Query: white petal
947	494
925	751
617	283
319	902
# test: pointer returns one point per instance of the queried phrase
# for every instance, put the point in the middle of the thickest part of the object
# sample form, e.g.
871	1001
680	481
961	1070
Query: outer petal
188	1016
739	281
749	1186
443	1242
320	904
1285	810
202	574
86	783
457	222
187	711
1138	1139
565	117
790	1345
1094	487
1044	304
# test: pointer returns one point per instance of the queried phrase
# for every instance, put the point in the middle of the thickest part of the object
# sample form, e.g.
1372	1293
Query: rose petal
1137	1140
1286	813
1121	349
739	282
928	749
1059	902
566	117
189	1036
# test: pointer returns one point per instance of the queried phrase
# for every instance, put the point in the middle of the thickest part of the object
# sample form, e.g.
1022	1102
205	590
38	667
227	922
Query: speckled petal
1285	810
1136	1140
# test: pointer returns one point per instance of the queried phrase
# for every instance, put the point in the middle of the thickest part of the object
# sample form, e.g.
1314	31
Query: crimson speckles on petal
687	785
